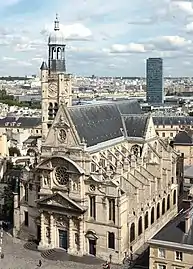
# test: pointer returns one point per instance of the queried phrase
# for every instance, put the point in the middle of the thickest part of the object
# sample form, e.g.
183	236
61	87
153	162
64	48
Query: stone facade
99	200
105	182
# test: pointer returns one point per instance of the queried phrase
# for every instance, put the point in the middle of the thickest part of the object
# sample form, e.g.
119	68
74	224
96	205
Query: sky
103	38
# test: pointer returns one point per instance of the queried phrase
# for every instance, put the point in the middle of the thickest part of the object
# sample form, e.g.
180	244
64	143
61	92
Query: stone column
52	239
81	237
70	231
42	242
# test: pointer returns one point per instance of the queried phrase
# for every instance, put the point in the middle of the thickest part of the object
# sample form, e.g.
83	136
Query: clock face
52	89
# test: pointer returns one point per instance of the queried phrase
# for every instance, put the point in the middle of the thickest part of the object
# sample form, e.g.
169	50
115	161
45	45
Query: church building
105	183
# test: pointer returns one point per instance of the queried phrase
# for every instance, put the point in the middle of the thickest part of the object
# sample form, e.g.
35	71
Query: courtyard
17	257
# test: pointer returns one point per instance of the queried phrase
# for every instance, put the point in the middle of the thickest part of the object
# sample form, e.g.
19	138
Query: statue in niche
46	179
74	186
76	223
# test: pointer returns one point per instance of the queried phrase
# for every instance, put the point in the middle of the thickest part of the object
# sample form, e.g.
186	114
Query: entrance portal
63	239
92	247
38	233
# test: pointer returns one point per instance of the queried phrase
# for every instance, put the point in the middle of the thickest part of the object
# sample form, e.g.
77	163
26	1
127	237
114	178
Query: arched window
158	211
163	206
168	202
59	54
146	220
155	146
140	226
132	232
152	215
54	53
174	197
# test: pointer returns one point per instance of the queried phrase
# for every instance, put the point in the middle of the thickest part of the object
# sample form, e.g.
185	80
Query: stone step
47	254
31	246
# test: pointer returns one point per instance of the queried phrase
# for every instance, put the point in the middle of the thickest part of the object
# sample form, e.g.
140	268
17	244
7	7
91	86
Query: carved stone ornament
76	223
46	178
62	221
62	135
46	219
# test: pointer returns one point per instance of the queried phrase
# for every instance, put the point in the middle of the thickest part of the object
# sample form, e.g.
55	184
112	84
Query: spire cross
56	23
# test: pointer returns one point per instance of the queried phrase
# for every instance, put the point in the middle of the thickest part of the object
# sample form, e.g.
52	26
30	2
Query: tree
8	206
14	151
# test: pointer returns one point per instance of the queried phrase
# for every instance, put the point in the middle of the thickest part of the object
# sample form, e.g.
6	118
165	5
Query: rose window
61	175
62	135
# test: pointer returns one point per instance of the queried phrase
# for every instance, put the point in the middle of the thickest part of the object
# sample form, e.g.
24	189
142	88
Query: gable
150	131
135	125
62	131
61	201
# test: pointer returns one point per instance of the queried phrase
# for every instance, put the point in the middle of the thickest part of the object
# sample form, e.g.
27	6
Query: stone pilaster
52	239
81	237
70	246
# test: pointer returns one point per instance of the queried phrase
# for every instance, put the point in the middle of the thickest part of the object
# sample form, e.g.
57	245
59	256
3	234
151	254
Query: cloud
129	48
161	43
189	27
9	59
76	31
170	43
185	6
8	3
101	37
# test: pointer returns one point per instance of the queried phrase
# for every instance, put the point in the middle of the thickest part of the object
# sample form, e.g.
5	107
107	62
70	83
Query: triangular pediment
60	200
150	129
62	132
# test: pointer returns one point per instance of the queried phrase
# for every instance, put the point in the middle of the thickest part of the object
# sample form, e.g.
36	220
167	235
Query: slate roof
135	125
21	122
172	120
101	122
188	172
174	231
129	107
184	137
31	140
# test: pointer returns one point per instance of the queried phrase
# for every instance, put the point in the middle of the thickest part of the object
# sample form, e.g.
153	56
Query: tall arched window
155	146
54	53
152	215
158	211
146	220
174	197
132	232
163	206
140	226
59	53
168	202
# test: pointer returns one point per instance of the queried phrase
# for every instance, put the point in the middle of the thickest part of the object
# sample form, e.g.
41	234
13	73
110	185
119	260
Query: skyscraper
154	78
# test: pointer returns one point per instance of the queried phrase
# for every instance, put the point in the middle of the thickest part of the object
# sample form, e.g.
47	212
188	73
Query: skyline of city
102	39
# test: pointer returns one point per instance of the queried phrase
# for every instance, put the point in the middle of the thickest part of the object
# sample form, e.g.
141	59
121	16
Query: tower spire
56	23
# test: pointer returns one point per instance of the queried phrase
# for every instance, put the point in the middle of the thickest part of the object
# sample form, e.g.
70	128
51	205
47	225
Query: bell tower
55	82
57	47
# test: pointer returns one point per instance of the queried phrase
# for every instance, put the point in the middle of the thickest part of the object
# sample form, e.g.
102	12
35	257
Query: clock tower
55	82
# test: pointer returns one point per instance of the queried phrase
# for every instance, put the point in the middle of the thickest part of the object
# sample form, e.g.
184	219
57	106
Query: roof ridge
104	103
